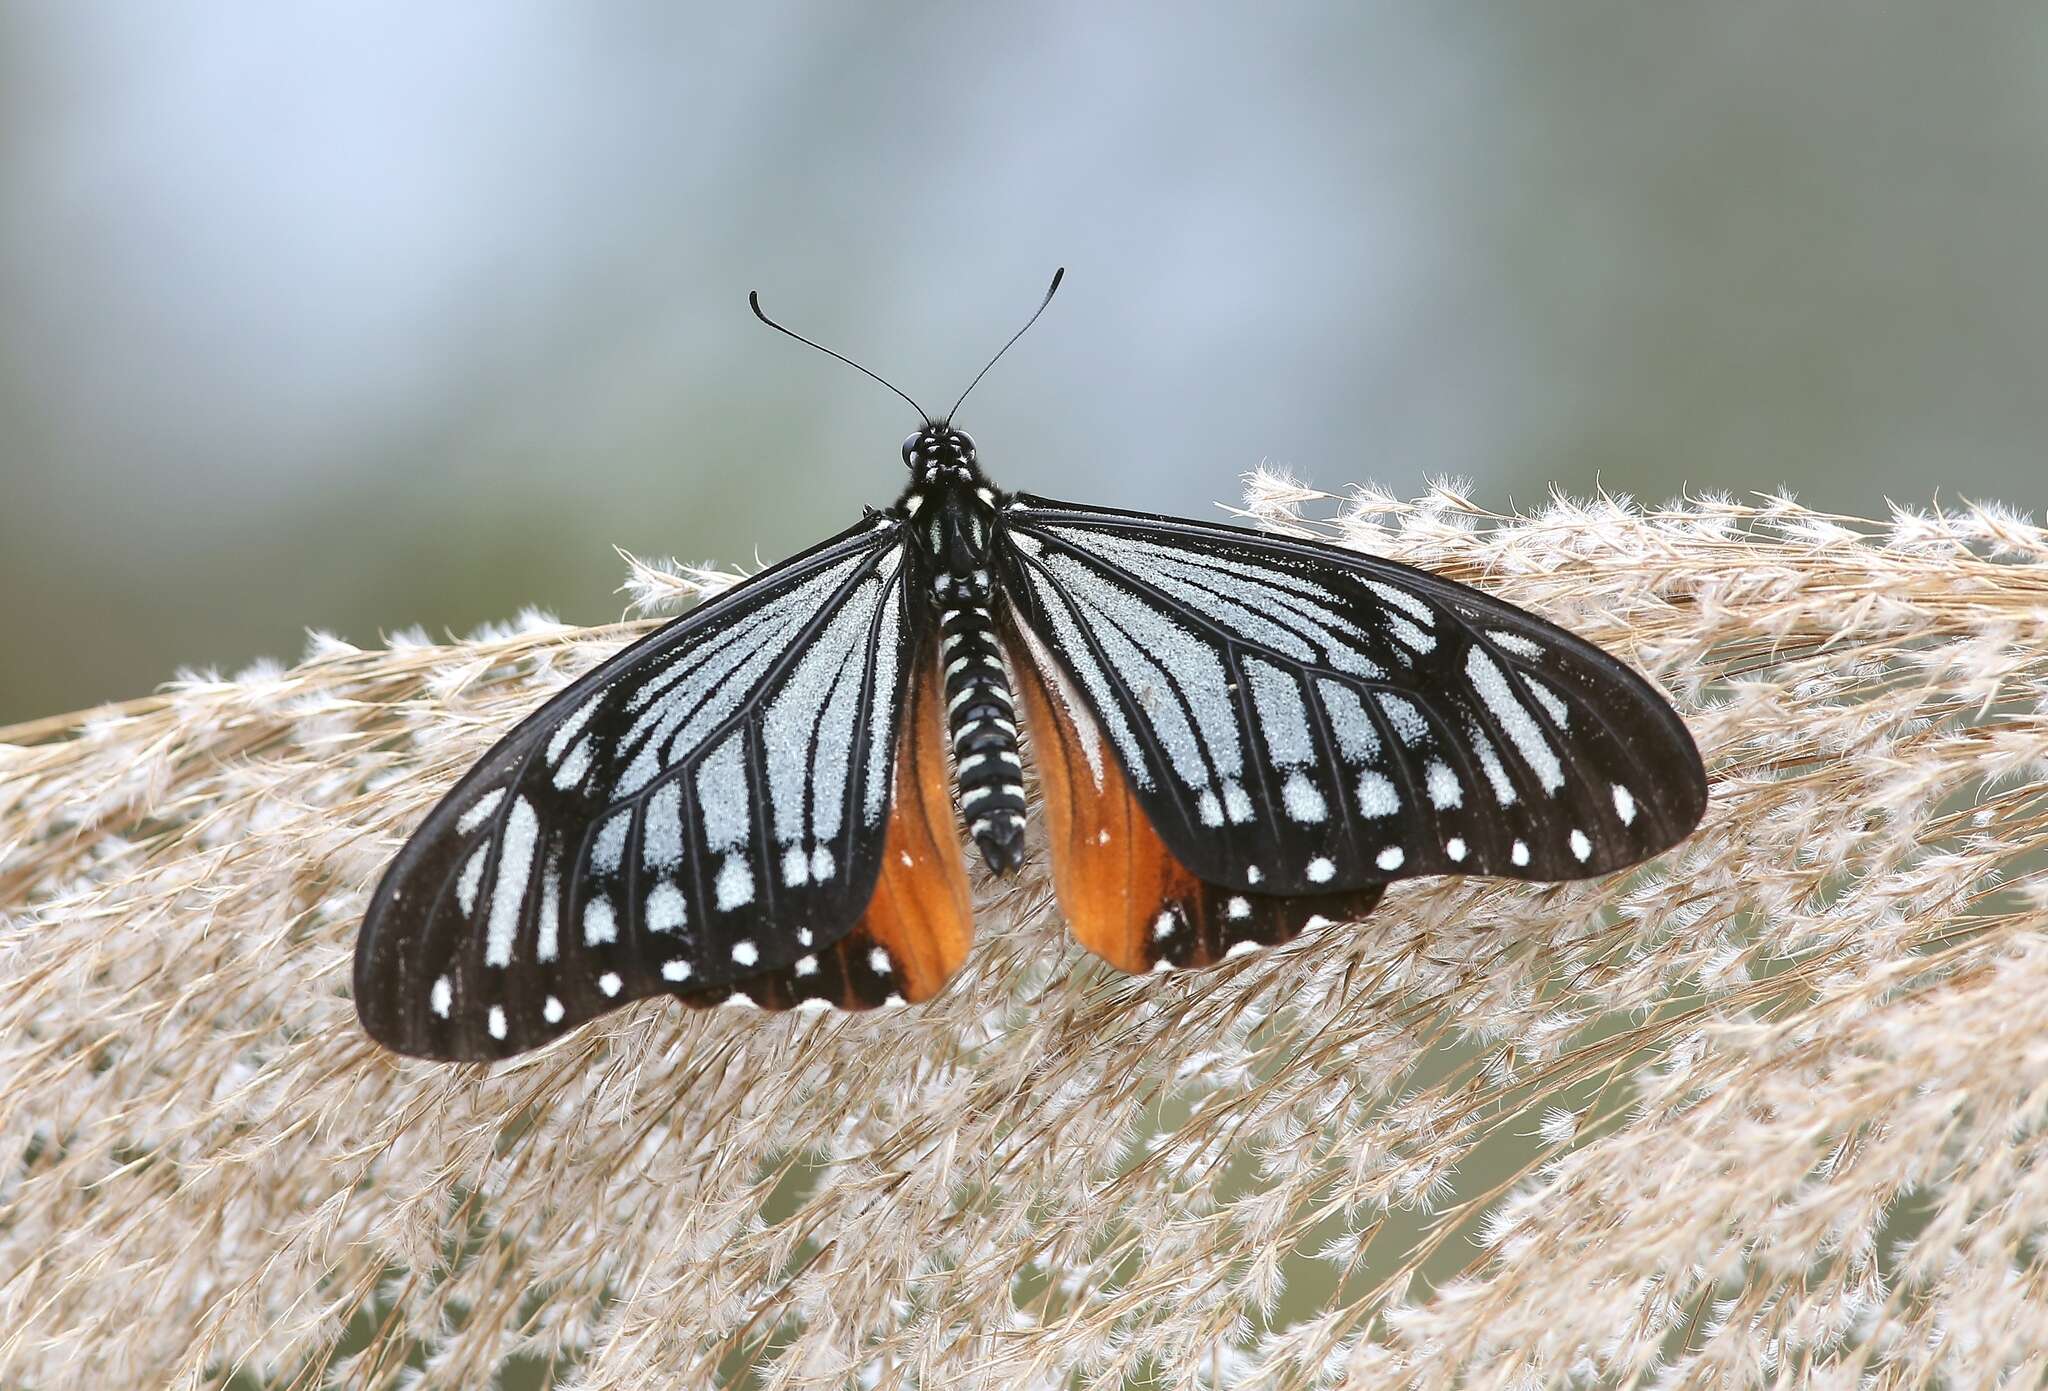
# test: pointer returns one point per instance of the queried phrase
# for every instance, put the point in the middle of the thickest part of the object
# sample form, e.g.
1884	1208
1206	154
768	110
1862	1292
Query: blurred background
364	315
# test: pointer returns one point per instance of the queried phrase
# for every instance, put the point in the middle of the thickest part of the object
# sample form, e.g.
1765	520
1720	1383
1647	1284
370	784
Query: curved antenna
754	298
1057	276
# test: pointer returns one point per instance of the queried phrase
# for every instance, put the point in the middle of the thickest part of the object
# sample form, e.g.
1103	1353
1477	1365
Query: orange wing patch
1126	897
919	924
922	912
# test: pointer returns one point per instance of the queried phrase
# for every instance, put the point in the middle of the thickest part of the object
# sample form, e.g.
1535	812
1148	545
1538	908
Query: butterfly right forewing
1297	719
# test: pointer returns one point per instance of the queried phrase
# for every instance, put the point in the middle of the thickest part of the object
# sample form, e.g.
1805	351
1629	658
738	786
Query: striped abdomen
983	723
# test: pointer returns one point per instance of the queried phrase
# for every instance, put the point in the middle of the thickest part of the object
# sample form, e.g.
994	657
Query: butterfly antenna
754	298
1057	276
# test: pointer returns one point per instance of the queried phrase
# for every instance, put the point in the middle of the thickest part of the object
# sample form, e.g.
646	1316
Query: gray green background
364	315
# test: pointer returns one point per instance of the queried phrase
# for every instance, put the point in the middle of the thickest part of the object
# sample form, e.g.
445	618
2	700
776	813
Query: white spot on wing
609	982
472	876
508	895
722	801
442	997
675	969
1283	721
1376	795
1492	685
1410	635
1411	726
1237	949
1489	763
568	729
1582	849
495	1022
1302	800
600	924
1624	804
1553	704
1404	601
1520	854
831	745
1391	858
661	837
608	851
1239	908
1444	789
552	1011
1357	737
735	887
575	765
1515	643
1163	925
1282	715
878	961
1320	869
882	716
480	810
1236	804
667	910
1455	848
745	953
546	939
796	866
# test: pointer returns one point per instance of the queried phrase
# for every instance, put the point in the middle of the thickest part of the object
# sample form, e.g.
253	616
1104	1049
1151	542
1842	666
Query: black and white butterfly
1236	736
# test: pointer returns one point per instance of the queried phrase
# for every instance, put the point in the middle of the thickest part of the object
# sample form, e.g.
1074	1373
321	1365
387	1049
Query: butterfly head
938	450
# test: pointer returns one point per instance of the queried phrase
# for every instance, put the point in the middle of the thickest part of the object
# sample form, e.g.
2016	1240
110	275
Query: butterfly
1237	736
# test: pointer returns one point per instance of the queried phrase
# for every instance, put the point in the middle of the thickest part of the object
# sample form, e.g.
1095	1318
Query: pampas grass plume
1773	1110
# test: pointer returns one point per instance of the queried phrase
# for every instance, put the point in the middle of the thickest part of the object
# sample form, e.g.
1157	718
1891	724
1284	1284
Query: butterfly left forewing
1299	719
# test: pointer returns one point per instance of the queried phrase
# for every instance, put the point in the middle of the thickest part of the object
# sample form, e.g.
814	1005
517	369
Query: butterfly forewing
1298	719
707	806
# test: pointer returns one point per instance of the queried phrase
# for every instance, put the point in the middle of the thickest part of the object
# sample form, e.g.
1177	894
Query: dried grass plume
1774	1110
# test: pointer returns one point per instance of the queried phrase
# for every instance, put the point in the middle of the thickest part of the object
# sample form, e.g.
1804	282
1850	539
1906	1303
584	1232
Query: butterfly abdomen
982	720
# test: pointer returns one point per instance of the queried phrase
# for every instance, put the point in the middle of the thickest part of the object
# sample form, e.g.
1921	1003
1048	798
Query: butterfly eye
963	445
910	448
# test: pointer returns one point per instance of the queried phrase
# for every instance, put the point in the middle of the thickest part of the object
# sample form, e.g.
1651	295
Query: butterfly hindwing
1298	719
1127	897
919	920
710	804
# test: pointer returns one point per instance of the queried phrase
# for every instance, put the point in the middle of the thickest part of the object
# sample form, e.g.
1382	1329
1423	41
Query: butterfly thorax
950	511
